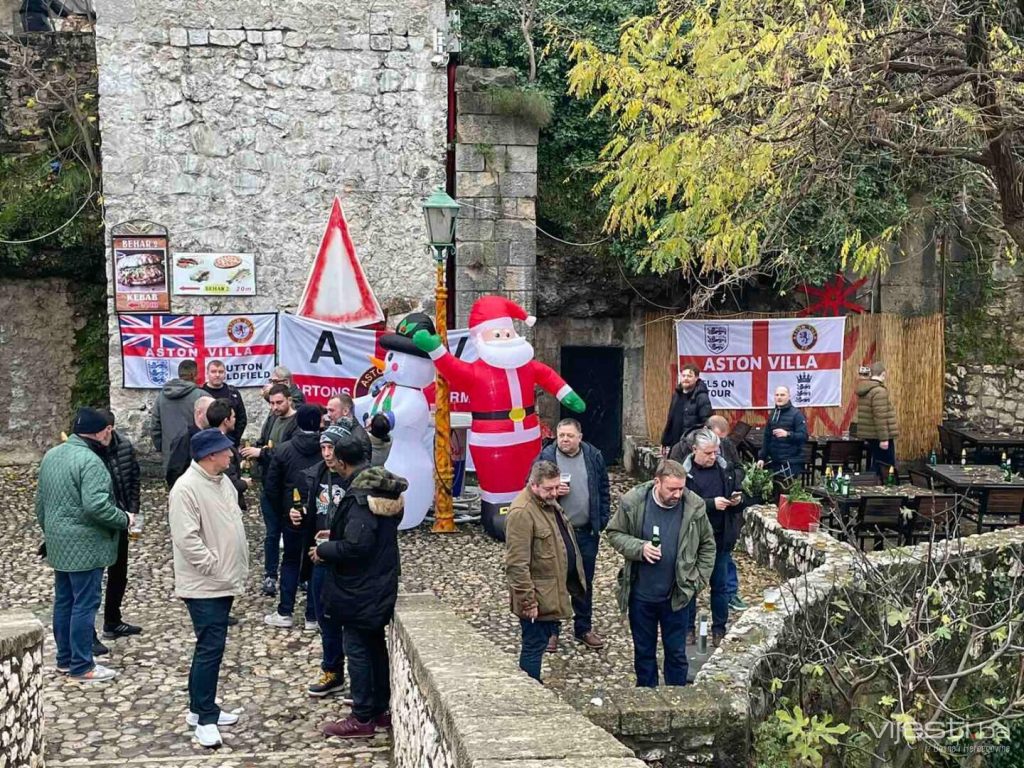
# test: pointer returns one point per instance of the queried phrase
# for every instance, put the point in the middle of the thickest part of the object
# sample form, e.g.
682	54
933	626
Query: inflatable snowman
407	372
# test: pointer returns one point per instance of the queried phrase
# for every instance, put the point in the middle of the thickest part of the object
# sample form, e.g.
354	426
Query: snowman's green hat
401	339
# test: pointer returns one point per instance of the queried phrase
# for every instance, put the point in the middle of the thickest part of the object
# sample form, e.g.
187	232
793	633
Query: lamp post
441	212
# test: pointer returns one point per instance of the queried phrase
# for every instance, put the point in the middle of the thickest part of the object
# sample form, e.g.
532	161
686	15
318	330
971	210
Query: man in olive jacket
658	580
81	524
539	547
876	420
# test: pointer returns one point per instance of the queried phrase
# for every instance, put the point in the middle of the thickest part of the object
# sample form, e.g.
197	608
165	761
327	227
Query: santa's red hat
496	312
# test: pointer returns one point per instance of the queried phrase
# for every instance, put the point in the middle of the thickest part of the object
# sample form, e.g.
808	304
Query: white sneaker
277	620
98	674
226	718
208	735
312	626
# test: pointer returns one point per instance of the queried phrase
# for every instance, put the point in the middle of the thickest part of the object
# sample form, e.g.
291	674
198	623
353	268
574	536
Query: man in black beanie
285	479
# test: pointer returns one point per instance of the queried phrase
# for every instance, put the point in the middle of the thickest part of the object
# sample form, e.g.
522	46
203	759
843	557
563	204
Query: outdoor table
997	440
755	440
844	504
972	477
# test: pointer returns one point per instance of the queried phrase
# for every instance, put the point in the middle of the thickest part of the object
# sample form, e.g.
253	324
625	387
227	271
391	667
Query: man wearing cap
505	435
211	562
81	524
283	481
362	582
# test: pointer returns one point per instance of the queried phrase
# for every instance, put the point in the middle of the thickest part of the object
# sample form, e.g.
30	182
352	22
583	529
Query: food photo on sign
140	274
214	274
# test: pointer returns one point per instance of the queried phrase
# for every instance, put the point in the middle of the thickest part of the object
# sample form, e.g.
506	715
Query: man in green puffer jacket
81	525
658	580
876	420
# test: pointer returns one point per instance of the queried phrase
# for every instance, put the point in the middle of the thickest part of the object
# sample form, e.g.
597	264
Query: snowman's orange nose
377	363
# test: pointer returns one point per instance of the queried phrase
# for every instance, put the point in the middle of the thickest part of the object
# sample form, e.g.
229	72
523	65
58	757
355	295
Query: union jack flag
158	331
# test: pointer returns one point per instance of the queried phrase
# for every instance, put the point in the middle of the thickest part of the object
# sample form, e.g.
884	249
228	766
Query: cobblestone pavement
138	719
466	570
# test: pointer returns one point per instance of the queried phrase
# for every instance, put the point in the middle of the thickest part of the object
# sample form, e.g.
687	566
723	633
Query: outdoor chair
946	446
1000	508
863	479
739	432
879	518
846	454
810	451
919	479
935	515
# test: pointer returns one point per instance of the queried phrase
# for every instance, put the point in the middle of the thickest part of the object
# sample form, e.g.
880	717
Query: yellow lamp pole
440	212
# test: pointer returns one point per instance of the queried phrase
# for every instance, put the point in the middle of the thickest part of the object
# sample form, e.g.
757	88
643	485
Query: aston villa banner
326	360
743	361
152	346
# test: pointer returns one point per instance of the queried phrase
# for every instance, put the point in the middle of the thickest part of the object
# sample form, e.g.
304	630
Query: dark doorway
596	375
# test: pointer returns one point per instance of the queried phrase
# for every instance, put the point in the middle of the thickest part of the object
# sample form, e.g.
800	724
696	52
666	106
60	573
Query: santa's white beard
511	353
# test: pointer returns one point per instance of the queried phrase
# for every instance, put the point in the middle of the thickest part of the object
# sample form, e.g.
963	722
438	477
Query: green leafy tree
751	133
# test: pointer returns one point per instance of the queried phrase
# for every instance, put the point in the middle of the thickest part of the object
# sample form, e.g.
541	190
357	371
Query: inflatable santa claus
505	435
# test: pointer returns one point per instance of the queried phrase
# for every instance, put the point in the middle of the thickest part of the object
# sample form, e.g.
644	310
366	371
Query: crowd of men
331	513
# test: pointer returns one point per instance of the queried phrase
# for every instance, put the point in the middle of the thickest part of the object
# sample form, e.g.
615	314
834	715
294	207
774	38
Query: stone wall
987	395
234	124
459	702
21	691
64	62
37	335
496	182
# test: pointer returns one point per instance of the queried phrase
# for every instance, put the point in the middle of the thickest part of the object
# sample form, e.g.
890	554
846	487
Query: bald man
181	451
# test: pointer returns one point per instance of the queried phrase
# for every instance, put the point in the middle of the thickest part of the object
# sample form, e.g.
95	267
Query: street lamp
441	211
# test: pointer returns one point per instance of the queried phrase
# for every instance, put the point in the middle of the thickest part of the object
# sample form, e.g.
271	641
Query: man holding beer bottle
659	578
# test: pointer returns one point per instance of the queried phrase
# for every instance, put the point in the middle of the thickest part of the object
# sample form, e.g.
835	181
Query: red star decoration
834	298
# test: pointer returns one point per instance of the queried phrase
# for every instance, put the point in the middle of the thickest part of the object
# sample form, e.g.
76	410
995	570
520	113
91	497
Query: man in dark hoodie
362	584
215	385
690	408
172	412
286	487
124	470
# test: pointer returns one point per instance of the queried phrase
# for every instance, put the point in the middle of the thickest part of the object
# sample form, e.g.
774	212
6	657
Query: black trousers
117	582
369	672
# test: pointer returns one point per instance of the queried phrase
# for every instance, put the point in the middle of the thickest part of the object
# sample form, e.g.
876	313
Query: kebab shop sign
140	274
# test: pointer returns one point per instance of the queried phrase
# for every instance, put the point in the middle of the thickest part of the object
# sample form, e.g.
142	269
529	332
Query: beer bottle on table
829	482
891	477
933	459
963	457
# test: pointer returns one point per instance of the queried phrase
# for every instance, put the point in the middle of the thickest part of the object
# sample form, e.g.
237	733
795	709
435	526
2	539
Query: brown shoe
552	644
691	638
592	640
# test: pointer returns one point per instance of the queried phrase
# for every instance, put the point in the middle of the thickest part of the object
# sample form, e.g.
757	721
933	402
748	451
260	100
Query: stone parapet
21	686
459	702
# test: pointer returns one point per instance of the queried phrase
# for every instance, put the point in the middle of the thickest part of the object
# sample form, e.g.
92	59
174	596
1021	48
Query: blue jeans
210	623
291	566
583	607
724	585
75	603
535	640
644	620
332	637
272	541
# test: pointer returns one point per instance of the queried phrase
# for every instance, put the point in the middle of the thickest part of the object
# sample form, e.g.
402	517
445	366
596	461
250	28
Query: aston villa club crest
158	371
805	336
716	338
241	330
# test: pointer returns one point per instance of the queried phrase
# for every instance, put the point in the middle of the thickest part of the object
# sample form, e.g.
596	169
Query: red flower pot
798	515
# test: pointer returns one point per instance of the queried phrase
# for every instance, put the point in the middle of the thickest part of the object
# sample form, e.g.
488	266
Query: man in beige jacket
211	562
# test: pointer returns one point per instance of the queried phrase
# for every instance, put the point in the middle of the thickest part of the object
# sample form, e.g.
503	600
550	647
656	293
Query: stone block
380	42
472	103
515	230
199	37
468	158
228	38
475	229
477	277
518	278
523	253
178	37
522	159
495	129
476	184
254	36
642	711
380	23
294	39
482	78
273	37
517	184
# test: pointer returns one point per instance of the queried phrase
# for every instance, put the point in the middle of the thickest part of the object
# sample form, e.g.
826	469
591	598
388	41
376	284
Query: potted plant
798	508
758	483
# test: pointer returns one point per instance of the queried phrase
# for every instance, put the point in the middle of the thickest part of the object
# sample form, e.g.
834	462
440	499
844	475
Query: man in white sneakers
211	562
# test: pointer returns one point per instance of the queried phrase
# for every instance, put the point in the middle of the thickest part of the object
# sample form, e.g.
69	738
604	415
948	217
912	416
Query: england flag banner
152	346
328	360
743	361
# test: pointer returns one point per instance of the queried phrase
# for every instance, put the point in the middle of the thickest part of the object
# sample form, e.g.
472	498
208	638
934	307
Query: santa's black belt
516	414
